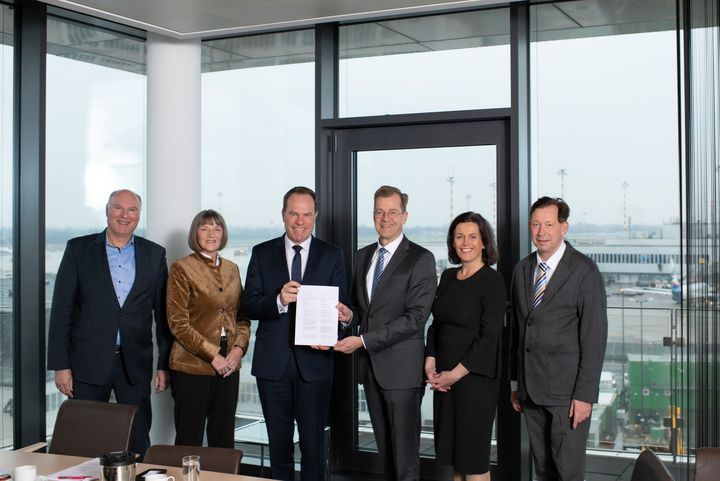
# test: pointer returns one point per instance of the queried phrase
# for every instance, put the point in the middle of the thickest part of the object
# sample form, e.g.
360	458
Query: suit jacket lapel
312	262
282	259
529	276
363	265
101	260
400	254
141	261
561	274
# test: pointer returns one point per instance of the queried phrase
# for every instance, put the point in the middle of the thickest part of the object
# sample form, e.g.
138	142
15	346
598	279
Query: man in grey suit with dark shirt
558	344
392	295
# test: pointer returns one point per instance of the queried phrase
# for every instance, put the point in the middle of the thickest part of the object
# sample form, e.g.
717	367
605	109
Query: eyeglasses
392	214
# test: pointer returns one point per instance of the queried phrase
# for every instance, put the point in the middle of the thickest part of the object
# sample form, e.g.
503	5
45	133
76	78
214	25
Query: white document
316	317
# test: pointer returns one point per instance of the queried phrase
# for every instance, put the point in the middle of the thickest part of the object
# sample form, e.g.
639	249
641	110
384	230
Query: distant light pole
467	201
625	186
562	173
493	200
451	181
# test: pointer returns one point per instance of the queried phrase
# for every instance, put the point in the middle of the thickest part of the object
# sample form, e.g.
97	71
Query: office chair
220	460
90	429
648	467
707	464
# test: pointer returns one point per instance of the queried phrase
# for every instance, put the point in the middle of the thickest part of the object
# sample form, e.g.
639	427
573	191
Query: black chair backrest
91	428
648	467
707	464
220	460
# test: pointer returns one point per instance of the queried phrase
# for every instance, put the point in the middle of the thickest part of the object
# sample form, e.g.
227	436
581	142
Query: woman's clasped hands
225	366
442	381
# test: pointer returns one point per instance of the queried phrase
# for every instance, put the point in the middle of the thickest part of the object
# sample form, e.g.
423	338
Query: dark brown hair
299	190
389	191
562	207
490	252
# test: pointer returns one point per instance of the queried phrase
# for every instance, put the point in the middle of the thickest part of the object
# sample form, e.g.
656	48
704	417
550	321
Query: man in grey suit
393	292
558	344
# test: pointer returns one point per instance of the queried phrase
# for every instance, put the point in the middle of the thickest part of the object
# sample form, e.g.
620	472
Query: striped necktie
540	283
379	268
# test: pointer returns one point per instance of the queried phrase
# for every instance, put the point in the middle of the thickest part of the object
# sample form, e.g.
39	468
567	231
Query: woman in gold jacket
204	295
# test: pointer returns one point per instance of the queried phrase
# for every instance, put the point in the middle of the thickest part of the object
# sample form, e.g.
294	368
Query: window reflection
604	137
95	140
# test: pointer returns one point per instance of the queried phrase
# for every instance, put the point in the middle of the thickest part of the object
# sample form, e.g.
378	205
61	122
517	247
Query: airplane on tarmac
697	291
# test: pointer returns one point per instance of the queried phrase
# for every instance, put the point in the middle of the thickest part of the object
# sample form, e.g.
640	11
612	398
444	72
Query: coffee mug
25	473
158	477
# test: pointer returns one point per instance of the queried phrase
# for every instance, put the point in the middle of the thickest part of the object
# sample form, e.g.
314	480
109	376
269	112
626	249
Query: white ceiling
377	29
184	19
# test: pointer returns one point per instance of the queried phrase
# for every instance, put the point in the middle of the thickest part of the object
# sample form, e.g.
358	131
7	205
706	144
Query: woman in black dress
462	362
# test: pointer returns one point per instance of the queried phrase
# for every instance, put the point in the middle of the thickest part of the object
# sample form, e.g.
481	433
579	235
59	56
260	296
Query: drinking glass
191	468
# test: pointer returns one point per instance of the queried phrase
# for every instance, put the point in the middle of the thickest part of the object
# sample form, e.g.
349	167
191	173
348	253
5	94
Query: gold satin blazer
201	299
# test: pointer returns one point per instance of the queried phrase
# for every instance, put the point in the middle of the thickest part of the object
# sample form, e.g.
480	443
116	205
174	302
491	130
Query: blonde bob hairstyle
206	217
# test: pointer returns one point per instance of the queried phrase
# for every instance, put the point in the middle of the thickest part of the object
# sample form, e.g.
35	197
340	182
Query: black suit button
220	289
527	349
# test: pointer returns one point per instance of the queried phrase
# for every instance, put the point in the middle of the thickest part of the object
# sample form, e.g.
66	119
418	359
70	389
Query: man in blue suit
294	382
108	289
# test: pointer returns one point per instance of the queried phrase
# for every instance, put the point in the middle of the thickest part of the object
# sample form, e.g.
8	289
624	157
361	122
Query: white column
173	166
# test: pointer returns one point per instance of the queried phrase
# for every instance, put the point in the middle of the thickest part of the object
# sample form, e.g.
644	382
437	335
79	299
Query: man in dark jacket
108	289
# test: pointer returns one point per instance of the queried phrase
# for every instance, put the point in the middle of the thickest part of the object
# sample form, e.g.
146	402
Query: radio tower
562	175
625	186
493	202
451	181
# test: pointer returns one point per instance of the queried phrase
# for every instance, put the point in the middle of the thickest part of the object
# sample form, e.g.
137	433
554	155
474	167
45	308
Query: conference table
52	463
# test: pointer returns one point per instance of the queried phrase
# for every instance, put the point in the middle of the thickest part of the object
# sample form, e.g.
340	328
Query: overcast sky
604	110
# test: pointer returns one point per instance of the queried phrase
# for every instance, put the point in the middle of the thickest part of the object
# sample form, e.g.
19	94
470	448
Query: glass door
445	169
445	182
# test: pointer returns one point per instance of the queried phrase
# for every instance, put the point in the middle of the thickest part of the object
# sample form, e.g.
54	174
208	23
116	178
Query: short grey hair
114	194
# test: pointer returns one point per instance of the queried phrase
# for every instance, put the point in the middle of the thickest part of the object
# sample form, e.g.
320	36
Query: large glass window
457	61
605	137
95	139
258	113
6	224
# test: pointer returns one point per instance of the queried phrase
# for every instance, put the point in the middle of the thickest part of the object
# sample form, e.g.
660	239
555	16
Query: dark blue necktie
296	268
295	275
379	268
